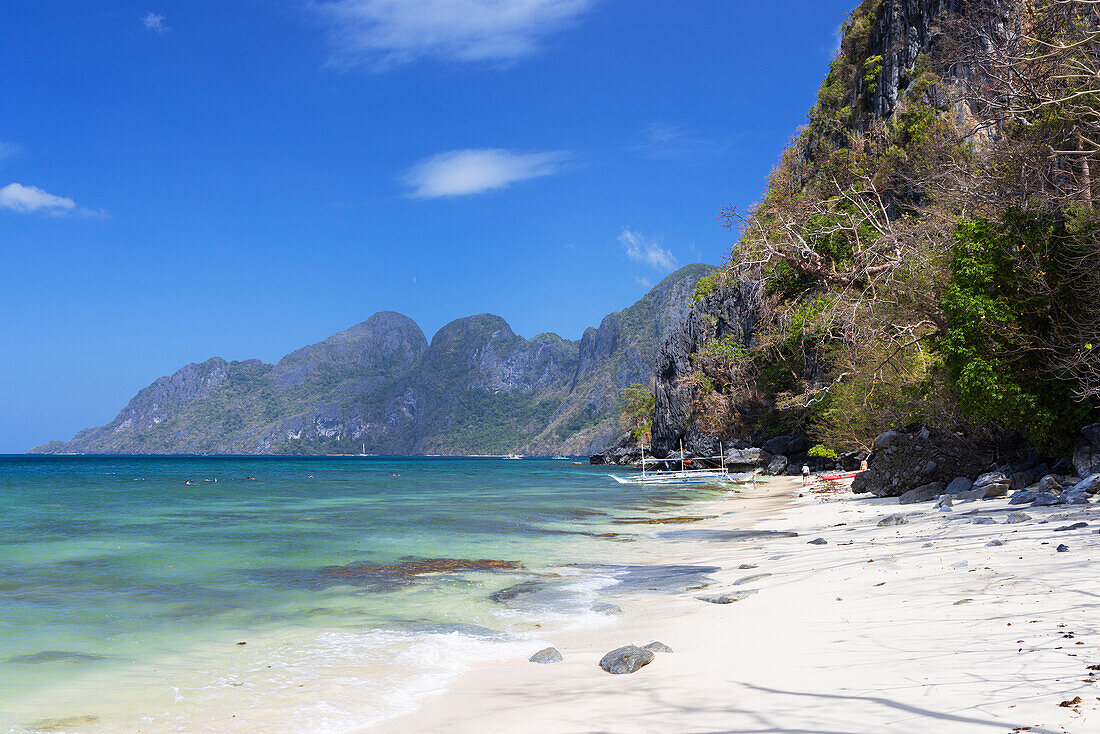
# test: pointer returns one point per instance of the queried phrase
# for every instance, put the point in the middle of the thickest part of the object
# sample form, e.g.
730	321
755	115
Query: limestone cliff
477	387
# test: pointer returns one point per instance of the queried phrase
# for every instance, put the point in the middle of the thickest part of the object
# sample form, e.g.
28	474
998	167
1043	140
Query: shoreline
873	630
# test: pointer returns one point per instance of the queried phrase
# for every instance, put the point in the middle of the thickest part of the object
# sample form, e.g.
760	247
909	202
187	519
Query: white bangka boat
684	475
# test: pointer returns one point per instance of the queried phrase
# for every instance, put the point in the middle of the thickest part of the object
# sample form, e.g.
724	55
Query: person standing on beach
805	474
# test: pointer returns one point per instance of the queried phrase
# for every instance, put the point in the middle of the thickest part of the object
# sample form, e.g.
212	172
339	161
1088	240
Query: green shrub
820	452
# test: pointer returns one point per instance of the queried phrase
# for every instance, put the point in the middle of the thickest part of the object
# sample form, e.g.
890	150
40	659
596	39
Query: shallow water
125	592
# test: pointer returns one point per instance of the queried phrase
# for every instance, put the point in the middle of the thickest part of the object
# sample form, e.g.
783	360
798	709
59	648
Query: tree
637	414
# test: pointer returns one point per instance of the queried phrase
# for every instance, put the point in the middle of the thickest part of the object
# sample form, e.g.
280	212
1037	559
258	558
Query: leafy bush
820	452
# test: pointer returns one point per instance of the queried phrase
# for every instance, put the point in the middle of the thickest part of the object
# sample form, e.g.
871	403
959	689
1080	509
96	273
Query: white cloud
382	34
154	22
464	172
647	251
29	199
644	282
20	198
662	140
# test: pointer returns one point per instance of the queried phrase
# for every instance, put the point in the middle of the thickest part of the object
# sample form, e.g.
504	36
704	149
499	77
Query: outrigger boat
686	476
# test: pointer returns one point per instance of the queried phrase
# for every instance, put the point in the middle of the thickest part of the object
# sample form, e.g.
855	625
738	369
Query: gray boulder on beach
959	485
547	655
626	659
1049	483
747	458
657	647
1015	517
896	519
777	466
923	493
1022	479
1023	497
1046	499
1089	485
1086	456
1075	497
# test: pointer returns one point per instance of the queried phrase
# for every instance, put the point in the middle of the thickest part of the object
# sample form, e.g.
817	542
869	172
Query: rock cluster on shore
782	455
921	464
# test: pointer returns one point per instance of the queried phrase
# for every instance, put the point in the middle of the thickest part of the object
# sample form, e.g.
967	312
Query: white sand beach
927	626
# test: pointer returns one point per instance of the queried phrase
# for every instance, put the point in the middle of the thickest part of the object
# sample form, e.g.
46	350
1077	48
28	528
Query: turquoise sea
293	594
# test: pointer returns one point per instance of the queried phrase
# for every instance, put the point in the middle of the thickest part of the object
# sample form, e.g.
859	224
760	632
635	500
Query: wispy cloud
31	199
7	150
663	140
464	172
154	22
382	34
647	251
643	282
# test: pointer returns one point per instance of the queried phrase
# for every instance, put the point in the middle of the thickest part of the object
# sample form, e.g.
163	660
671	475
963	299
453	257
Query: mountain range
475	388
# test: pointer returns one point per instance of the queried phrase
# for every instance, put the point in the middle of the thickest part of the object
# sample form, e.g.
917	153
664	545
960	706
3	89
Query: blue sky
182	179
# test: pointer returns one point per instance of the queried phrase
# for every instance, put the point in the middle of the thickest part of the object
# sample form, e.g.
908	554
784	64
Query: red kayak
834	477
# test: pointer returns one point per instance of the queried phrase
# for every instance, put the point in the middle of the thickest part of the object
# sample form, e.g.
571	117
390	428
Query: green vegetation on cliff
929	240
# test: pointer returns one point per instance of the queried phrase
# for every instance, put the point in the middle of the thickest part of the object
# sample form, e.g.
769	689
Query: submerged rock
55	656
369	572
69	723
547	655
626	659
611	610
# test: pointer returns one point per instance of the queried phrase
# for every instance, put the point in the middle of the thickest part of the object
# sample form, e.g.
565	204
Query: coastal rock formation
477	387
905	459
731	310
1086	456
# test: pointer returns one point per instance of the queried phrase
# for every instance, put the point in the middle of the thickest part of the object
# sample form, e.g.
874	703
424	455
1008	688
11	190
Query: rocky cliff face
893	35
476	388
903	30
730	310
